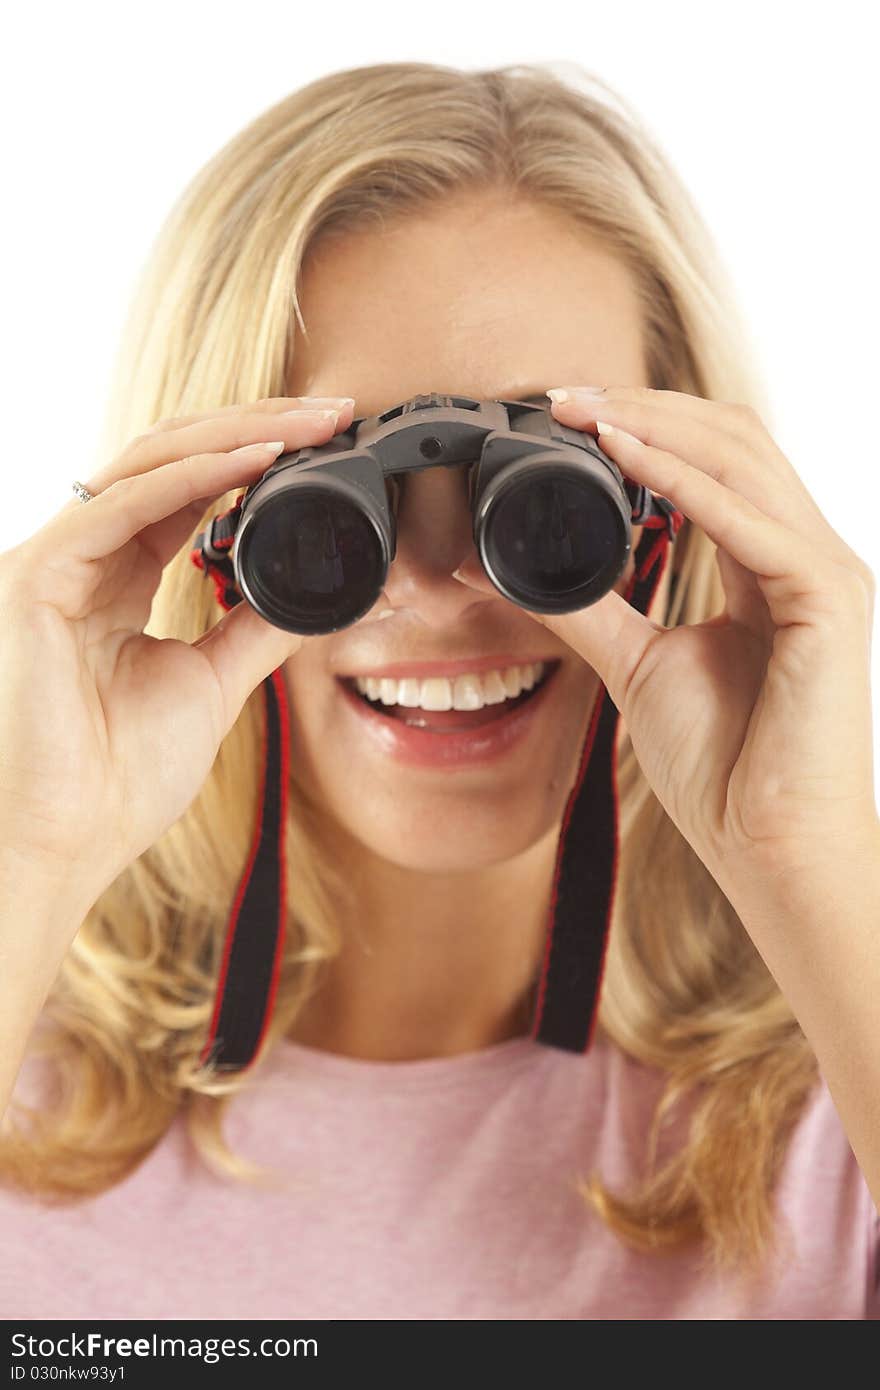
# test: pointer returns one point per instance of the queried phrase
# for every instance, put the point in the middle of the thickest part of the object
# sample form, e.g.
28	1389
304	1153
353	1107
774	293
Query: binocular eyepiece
313	539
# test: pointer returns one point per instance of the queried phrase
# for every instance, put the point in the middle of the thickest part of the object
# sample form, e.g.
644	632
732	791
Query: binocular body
310	543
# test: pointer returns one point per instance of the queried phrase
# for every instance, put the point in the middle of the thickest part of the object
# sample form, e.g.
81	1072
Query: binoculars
312	540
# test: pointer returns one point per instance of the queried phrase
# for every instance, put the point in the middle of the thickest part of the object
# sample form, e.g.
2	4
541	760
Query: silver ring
82	492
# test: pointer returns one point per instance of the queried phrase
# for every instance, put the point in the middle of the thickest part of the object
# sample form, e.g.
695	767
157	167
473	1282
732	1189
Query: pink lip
401	669
422	748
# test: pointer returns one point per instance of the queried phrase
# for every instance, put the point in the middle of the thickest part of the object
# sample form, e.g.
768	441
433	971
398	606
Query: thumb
244	649
471	573
611	636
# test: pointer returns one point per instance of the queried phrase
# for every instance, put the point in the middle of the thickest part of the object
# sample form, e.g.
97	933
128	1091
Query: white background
770	112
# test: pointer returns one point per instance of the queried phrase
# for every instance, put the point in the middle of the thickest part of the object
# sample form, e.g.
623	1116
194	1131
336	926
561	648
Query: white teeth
511	681
494	689
435	693
467	693
470	691
408	692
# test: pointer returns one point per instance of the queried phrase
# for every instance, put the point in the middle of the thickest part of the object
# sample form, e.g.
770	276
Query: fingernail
341	401
314	414
617	432
273	448
561	394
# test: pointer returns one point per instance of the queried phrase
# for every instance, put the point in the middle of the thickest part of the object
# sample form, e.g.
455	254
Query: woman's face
484	298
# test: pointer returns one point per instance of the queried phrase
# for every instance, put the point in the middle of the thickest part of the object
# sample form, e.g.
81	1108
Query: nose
434	538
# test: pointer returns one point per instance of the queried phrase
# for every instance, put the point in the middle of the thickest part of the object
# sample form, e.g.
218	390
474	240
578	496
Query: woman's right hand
106	734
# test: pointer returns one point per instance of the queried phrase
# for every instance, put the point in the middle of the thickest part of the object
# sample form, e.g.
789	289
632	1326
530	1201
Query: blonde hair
685	992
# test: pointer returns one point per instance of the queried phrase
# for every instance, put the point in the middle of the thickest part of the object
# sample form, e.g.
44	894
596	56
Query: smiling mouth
450	721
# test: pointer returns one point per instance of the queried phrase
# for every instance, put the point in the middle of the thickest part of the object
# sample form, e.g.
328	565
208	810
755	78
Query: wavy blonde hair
685	991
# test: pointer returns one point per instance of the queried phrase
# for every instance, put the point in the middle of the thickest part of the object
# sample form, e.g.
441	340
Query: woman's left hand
754	728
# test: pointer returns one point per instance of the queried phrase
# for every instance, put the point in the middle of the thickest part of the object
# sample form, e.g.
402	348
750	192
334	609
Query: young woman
403	1145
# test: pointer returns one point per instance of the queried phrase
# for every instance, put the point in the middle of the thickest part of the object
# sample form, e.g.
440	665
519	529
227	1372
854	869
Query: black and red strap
585	876
249	970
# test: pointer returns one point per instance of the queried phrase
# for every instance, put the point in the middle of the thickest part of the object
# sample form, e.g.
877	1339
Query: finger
471	574
165	538
611	635
739	419
716	438
743	598
300	429
775	481
243	649
130	505
150	451
785	563
269	404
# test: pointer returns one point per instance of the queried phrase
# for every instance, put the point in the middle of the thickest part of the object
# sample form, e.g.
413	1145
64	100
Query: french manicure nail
313	414
270	448
605	429
561	394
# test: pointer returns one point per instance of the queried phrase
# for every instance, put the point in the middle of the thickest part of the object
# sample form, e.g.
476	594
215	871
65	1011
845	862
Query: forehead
486	297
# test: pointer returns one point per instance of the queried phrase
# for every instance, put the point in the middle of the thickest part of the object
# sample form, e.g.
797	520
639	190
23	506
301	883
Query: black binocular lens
552	540
313	559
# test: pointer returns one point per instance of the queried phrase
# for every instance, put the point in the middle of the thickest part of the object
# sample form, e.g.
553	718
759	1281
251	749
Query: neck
432	965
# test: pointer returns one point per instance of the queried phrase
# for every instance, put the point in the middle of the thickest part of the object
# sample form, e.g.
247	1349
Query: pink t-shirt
438	1189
